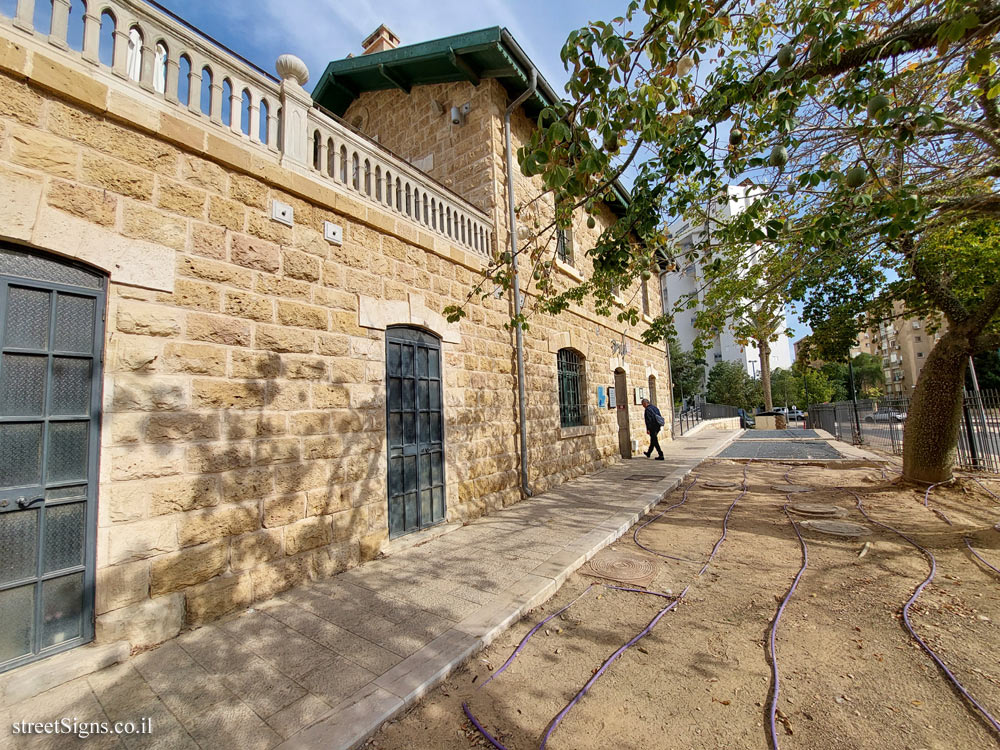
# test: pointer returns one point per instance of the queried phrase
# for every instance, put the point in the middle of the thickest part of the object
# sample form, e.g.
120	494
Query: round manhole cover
836	528
792	488
720	485
818	509
623	567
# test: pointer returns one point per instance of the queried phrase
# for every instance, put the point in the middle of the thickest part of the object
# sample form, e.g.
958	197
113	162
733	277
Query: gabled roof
474	56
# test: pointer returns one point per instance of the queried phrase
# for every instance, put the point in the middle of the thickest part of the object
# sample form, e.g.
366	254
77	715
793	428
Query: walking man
654	421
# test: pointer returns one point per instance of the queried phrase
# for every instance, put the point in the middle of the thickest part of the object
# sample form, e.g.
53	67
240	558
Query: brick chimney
380	40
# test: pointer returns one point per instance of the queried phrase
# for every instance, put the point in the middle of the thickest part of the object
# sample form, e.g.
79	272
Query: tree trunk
935	413
764	350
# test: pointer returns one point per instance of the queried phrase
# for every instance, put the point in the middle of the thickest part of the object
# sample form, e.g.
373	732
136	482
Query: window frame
571	384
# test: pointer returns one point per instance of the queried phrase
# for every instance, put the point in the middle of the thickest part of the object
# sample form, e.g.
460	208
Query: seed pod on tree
778	157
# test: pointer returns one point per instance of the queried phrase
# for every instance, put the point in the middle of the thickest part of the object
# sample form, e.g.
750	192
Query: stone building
224	367
903	344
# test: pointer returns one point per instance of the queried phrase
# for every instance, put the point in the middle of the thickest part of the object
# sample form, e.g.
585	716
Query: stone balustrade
146	46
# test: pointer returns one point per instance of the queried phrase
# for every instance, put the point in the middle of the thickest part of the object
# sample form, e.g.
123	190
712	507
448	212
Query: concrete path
325	664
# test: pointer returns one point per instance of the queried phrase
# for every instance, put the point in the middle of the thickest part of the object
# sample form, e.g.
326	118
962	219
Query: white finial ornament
290	66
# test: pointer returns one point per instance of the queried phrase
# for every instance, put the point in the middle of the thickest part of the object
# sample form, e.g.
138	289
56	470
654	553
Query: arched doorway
621	404
51	337
414	430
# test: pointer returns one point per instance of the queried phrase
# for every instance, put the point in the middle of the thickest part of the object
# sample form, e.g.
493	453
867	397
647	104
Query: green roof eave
490	53
474	56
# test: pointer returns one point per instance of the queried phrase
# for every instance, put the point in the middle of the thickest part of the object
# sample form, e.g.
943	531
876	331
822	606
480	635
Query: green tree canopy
688	371
730	384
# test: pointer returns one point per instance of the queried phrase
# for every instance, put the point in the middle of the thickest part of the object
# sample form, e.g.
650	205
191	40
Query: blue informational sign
601	398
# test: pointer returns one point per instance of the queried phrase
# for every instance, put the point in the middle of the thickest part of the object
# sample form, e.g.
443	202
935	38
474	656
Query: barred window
570	367
564	245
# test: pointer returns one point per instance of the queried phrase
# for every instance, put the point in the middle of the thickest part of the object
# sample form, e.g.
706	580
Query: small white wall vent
282	212
333	233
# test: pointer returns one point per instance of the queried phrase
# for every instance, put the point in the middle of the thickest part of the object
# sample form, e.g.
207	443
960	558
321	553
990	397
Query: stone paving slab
325	664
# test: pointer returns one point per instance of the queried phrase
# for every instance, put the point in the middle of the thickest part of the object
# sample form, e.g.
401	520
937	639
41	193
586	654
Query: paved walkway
323	665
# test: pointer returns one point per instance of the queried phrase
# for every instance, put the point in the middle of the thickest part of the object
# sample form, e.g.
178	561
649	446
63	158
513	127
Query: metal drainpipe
512	230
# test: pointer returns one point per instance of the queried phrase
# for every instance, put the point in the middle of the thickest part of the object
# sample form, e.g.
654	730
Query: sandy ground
851	676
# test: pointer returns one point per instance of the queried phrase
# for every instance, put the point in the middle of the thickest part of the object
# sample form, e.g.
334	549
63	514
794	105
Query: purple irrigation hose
520	647
635	534
906	611
773	710
979	557
652	623
988	490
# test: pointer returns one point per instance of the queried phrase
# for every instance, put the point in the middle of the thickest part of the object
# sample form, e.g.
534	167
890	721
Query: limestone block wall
243	434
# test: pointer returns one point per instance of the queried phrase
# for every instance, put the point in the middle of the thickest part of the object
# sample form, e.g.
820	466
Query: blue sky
322	30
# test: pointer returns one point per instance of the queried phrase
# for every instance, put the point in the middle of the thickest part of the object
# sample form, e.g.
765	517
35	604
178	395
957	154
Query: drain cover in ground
623	567
720	485
791	488
818	509
644	478
837	528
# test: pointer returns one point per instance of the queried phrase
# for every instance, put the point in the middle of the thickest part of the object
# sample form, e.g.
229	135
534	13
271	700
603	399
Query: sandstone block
334	558
248	190
218	329
188	567
311	368
208	241
144	624
346	421
279	286
299	265
335	299
249	305
285	509
143	223
178	198
255	365
209	270
327	396
259	224
251	252
87	203
137	541
147	320
346	322
116	176
307	534
144	462
216	457
288	395
202	526
227	213
194	294
371	544
254	549
333	346
210	601
248	484
274	577
170	427
203	173
226	394
278	451
176	495
46	153
300	477
249	426
197	359
309	423
346	370
278	339
302	315
127	428
325	501
323	446
19	101
120	585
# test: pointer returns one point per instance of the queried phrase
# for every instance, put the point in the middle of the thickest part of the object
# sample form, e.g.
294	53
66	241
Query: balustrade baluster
25	18
91	35
60	24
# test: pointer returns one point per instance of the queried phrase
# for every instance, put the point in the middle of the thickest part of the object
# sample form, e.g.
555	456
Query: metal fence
685	420
880	423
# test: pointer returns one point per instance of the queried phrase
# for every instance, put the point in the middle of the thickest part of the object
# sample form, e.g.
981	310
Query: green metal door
51	335
415	430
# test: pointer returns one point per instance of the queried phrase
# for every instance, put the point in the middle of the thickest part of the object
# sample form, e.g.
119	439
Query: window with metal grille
570	367
564	245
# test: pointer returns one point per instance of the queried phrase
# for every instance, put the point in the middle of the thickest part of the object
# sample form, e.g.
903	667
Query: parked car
795	414
746	420
886	415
